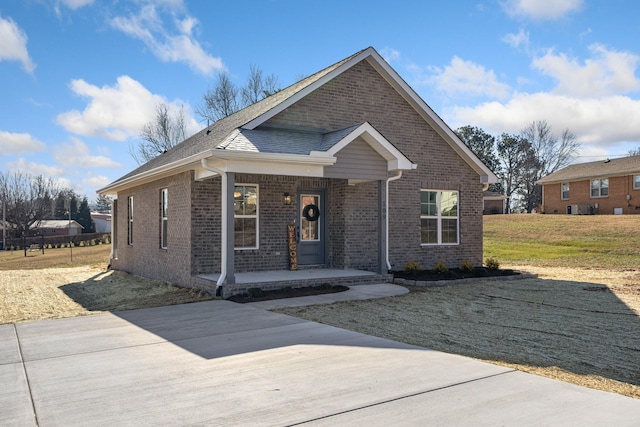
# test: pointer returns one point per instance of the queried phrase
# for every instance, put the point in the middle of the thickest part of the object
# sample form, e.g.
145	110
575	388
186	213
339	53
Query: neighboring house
57	227
102	222
346	169
492	203
603	187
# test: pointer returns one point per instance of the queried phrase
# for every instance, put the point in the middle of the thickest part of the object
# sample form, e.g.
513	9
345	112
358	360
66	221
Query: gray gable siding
358	161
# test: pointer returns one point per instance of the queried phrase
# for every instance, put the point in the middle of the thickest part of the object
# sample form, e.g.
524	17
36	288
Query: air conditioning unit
580	210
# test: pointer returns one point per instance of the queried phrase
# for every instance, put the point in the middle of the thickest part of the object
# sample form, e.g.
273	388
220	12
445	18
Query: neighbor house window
636	182
164	204
245	207
439	221
600	187
565	191
130	220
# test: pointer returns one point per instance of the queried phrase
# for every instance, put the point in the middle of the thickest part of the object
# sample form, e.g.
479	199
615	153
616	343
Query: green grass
598	241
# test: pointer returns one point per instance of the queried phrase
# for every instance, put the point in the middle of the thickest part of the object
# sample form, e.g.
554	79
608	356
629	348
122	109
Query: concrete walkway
218	363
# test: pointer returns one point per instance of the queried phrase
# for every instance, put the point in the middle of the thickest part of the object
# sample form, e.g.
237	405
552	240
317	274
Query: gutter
225	237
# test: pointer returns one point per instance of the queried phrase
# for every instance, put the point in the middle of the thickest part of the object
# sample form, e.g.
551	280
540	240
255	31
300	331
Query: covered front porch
277	279
335	198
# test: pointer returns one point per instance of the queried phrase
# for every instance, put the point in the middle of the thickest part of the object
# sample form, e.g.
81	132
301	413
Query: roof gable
235	130
393	78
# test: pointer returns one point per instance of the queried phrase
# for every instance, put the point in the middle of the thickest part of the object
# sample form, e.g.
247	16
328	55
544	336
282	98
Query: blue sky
79	78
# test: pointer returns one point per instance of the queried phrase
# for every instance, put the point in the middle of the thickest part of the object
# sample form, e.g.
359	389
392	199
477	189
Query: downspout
393	178
113	227
223	252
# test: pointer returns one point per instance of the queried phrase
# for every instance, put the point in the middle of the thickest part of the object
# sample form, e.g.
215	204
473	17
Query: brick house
603	187
347	170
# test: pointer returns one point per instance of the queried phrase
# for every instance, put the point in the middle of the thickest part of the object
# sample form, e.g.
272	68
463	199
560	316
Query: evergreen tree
73	206
60	209
102	206
83	217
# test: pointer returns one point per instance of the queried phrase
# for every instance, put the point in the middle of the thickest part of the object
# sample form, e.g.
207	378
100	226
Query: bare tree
29	199
547	155
225	98
258	86
634	151
160	134
221	101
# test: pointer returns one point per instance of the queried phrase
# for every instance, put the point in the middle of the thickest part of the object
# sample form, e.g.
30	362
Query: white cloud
77	154
76	4
541	9
608	72
17	143
390	55
114	112
520	40
148	27
96	181
33	168
468	78
590	153
13	44
603	121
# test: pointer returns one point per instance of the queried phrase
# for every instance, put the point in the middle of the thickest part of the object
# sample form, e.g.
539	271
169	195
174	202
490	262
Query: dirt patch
256	294
52	293
576	326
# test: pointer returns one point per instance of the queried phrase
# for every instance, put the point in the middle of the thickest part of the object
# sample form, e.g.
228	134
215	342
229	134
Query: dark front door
312	245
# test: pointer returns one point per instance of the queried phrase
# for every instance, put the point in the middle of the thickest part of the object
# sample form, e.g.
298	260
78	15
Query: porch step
241	287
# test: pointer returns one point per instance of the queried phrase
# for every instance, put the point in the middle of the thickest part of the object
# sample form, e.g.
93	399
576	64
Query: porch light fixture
287	198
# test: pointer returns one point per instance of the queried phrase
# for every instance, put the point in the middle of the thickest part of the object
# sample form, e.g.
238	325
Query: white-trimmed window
636	182
439	220
600	187
164	207
245	210
130	220
564	191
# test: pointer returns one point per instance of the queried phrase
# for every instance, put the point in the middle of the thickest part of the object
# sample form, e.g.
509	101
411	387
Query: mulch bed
453	274
256	294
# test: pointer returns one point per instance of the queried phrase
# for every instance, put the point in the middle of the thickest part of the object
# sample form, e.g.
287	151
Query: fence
51	242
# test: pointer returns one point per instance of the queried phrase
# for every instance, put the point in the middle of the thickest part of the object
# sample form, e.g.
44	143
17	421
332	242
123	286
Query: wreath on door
311	213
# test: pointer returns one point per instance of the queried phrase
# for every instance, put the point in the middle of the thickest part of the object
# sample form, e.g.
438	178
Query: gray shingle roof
286	141
599	169
217	133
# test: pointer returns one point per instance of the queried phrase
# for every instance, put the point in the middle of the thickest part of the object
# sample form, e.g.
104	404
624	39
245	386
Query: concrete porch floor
295	275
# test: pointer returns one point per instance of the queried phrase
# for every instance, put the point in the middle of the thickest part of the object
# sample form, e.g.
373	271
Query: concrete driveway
220	363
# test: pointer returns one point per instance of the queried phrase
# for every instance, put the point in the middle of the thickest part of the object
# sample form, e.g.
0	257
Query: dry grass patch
38	291
565	328
96	256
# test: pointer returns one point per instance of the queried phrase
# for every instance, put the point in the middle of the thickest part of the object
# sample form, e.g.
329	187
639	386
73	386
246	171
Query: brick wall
145	257
580	194
361	94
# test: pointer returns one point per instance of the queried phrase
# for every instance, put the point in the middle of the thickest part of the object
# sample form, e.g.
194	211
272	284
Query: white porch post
382	227
228	187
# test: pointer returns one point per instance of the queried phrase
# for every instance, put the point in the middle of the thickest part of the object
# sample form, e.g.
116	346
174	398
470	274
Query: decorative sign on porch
293	247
